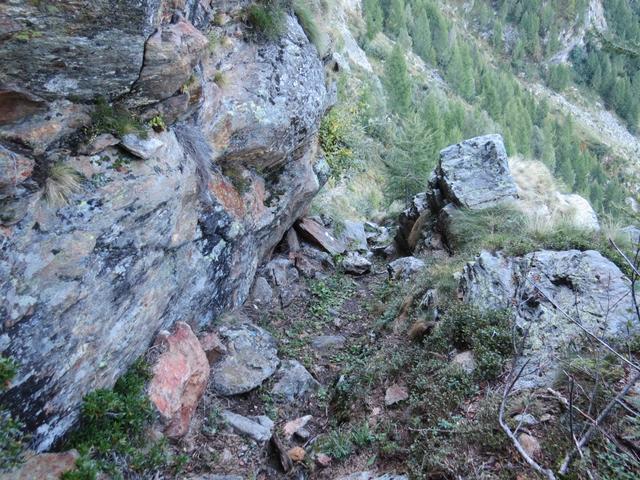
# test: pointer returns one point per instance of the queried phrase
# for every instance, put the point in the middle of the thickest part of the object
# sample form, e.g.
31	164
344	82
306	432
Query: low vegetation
267	19
61	183
11	436
117	121
114	436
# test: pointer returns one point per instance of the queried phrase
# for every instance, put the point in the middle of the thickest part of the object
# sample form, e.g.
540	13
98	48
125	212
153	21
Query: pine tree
411	159
373	17
421	35
396	19
398	83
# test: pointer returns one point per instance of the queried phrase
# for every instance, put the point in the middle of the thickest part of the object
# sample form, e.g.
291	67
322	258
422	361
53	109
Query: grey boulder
405	267
143	148
353	236
294	381
356	264
252	358
472	174
586	286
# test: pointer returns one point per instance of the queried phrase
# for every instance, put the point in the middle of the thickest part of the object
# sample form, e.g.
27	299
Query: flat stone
259	428
312	230
294	426
395	394
465	360
143	148
100	143
405	267
252	358
356	264
45	466
327	342
526	419
261	293
353	236
294	381
179	379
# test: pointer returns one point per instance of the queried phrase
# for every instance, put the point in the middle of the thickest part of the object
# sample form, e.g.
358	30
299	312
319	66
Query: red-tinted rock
46	466
180	377
395	394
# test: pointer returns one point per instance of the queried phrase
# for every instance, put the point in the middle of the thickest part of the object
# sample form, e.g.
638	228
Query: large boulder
140	244
472	174
588	287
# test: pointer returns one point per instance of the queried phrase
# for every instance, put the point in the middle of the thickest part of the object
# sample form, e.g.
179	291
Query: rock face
179	379
45	466
143	243
472	174
585	285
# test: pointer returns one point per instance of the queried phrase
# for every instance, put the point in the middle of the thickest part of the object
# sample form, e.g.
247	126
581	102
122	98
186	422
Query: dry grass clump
63	181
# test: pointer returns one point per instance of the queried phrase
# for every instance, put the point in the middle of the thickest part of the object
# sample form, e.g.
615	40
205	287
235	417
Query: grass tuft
307	21
62	182
267	19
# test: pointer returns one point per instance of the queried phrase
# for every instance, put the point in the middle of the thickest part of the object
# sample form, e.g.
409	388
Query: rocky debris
314	232
472	174
284	275
296	454
526	419
582	282
530	445
293	242
180	377
143	148
261	293
252	358
295	426
374	476
213	347
356	264
99	144
294	381
325	343
215	476
405	267
353	236
259	428
465	360
44	466
395	394
283	456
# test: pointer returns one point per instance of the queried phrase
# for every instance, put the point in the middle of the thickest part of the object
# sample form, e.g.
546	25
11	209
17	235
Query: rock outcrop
137	245
540	286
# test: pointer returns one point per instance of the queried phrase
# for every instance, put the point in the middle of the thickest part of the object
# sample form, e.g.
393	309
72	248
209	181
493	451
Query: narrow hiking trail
335	327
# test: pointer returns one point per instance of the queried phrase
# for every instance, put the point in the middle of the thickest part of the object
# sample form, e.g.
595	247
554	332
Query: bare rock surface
293	381
585	285
405	267
44	466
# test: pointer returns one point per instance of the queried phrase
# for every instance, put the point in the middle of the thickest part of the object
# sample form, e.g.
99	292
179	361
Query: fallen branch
505	396
596	424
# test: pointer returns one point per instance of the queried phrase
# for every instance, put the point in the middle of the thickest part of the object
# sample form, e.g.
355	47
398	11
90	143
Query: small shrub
267	19
116	121
11	436
157	123
113	430
337	445
62	182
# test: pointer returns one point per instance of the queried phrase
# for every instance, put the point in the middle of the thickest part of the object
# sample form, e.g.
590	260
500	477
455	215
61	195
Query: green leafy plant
115	120
11	435
157	123
337	445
